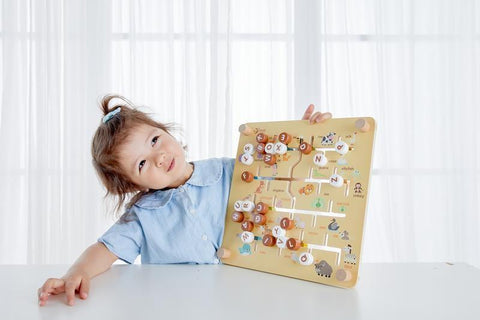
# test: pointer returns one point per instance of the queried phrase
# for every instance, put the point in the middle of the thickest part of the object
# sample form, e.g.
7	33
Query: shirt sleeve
124	238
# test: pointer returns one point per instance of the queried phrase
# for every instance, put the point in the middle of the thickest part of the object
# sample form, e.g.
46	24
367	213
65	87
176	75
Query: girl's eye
140	165
154	140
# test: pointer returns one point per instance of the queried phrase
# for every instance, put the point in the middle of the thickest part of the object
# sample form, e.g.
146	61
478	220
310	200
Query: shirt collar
205	173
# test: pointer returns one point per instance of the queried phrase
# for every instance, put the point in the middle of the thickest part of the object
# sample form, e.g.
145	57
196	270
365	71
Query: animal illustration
260	187
358	188
328	139
323	269
333	226
344	235
308	189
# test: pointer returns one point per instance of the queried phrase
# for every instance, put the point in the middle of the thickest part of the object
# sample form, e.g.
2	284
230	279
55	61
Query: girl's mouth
172	164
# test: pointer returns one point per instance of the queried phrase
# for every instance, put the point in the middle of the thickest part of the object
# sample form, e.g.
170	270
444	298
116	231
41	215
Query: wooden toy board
313	229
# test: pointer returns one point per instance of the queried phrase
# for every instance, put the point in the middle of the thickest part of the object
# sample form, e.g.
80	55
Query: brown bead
238	216
285	138
262	207
269	240
270	159
287	224
247	176
262	138
294	244
261	148
305	147
259	219
247	225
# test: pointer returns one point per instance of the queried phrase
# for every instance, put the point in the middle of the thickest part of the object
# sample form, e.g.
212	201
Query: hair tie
110	115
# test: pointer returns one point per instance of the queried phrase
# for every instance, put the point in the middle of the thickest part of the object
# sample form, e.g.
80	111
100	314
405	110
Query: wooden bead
248	206
305	147
246	130
341	147
247	176
262	207
261	148
262	138
270	159
305	259
269	240
343	275
278	231
246	159
285	138
320	159
259	219
362	125
294	244
247	225
238	216
223	253
336	180
287	224
281	242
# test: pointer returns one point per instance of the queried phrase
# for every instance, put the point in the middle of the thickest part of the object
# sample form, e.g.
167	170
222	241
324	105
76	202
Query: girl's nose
160	159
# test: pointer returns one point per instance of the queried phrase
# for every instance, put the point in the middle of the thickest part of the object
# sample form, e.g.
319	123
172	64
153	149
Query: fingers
308	112
320	117
50	286
84	288
70	287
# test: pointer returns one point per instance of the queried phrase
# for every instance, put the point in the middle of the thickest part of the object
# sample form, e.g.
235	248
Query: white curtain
212	65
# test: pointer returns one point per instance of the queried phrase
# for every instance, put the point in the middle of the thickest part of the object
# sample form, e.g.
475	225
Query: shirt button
204	237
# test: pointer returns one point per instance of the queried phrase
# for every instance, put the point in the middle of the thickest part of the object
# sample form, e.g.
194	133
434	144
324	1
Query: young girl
177	212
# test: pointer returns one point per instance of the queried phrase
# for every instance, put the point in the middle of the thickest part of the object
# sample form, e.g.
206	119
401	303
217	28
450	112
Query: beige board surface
328	220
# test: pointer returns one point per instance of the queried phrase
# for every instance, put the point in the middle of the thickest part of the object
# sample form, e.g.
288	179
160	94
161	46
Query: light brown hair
106	140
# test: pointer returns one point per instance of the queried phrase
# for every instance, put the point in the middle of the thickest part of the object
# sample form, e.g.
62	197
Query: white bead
320	159
341	147
336	180
277	231
249	148
270	148
305	259
280	148
238	205
248	206
281	242
246	159
247	237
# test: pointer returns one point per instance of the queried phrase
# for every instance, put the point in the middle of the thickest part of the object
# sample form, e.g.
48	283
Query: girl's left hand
315	117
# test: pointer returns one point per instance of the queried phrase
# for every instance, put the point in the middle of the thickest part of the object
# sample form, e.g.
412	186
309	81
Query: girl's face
153	159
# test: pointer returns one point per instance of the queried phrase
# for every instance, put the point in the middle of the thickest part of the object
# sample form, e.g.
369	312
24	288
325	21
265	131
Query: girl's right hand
70	283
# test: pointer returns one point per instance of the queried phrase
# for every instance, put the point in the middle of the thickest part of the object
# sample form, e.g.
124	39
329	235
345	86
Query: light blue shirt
181	225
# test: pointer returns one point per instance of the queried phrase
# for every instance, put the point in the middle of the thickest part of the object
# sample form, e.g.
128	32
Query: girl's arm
93	261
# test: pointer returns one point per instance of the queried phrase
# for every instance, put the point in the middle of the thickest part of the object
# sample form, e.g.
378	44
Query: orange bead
237	216
247	225
305	147
285	138
261	148
261	207
287	224
270	159
294	244
247	176
269	240
259	219
262	138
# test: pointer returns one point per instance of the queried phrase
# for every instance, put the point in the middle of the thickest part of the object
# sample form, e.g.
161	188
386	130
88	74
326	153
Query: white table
384	291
